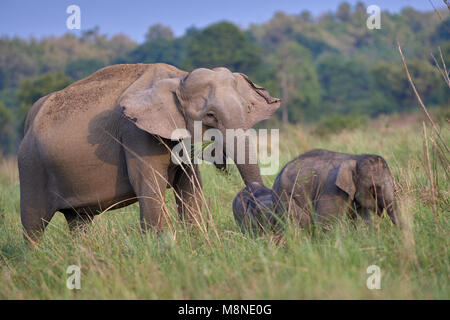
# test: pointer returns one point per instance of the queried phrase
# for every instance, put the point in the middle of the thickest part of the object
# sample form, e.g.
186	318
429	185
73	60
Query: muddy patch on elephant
103	87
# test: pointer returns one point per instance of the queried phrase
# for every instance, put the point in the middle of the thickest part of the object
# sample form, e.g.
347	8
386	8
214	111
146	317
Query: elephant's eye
210	118
211	115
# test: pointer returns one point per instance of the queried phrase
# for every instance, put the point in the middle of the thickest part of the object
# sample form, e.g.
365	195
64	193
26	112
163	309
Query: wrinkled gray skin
331	184
104	141
254	207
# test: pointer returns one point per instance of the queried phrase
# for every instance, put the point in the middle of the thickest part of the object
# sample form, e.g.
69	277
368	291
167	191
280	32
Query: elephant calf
322	185
325	185
253	208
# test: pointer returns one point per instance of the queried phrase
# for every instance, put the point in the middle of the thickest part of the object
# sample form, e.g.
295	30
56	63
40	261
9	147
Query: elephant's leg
78	220
300	214
290	204
149	185
147	162
329	210
36	209
151	204
34	220
187	189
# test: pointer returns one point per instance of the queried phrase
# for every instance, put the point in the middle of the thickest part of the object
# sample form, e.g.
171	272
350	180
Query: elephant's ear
156	109
344	178
260	104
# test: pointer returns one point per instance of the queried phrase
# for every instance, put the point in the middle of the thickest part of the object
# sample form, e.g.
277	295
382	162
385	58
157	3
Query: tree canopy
223	45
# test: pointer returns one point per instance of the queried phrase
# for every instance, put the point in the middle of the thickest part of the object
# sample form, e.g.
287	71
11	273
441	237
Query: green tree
33	89
83	67
223	45
360	13
17	60
93	36
306	16
160	49
390	79
171	51
297	79
120	45
157	32
441	33
346	83
344	12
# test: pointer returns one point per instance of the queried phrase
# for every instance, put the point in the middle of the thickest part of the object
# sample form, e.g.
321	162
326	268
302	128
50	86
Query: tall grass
117	261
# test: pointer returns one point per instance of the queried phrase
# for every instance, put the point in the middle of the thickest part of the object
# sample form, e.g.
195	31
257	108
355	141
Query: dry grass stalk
442	69
433	124
429	172
440	148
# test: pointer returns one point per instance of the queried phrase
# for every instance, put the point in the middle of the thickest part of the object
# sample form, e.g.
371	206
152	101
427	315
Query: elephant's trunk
249	173
390	205
387	201
393	213
242	150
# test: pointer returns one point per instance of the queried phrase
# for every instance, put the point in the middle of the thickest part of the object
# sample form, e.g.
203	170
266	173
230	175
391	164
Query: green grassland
118	262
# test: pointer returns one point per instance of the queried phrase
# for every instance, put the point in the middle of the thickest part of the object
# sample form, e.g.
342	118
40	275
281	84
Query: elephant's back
308	169
311	169
297	174
95	93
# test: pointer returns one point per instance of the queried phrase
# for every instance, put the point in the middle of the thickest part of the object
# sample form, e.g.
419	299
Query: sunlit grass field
118	262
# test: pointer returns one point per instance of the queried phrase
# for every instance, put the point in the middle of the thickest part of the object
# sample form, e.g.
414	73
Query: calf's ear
345	178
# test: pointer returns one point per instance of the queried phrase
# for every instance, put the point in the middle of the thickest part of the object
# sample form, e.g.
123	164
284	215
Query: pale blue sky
48	17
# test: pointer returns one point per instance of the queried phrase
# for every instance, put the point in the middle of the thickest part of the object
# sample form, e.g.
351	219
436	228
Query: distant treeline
330	64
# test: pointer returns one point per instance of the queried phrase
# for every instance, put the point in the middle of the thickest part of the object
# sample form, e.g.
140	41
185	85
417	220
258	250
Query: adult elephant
106	140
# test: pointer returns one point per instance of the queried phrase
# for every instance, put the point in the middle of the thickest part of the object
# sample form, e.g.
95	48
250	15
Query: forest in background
326	67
